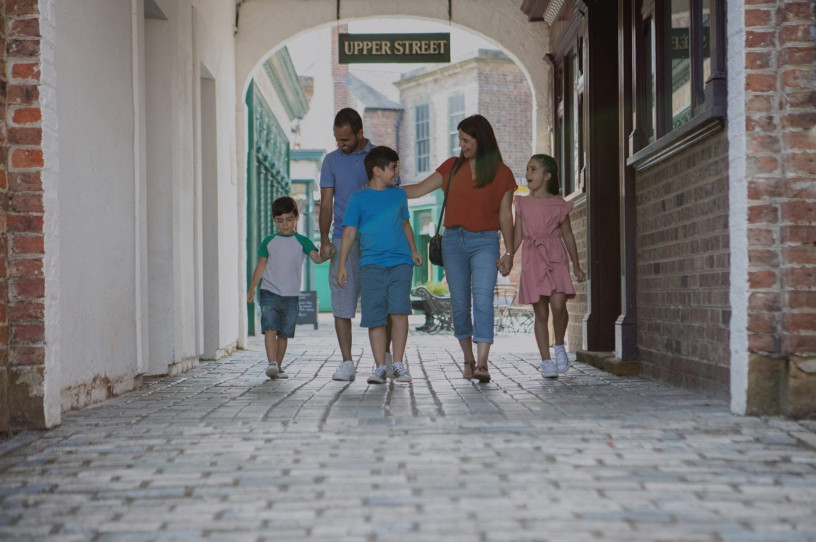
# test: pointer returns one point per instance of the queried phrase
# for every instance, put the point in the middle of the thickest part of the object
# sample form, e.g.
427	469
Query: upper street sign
394	48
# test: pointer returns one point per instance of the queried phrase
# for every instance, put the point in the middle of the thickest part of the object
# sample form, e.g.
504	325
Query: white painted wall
96	196
52	384
215	52
125	211
738	206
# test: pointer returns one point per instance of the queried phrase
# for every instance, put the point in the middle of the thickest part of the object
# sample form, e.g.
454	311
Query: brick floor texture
224	453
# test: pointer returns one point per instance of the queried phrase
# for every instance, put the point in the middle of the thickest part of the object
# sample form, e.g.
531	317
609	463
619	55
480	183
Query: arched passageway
260	32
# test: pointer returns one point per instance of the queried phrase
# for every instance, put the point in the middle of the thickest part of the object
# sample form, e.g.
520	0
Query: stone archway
263	26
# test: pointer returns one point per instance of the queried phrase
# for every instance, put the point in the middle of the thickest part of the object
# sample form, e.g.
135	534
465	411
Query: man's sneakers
379	376
562	361
346	371
548	369
401	373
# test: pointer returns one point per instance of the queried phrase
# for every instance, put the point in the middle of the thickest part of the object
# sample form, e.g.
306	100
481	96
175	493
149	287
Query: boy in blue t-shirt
387	254
280	288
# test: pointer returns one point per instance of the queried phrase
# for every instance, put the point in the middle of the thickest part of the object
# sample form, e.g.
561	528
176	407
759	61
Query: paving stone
224	453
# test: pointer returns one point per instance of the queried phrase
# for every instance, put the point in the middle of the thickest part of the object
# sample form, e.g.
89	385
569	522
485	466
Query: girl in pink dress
543	230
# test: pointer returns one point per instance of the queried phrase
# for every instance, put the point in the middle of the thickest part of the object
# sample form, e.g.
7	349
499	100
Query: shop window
569	113
680	76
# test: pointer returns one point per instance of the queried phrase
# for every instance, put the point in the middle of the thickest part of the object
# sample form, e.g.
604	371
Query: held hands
505	264
327	250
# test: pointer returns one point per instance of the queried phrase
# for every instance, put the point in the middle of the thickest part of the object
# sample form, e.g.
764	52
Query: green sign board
394	48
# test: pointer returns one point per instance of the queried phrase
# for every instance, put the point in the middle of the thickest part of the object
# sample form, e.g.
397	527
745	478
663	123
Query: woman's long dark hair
550	166
488	156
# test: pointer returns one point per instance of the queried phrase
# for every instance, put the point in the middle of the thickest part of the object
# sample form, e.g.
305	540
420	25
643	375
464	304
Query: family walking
361	197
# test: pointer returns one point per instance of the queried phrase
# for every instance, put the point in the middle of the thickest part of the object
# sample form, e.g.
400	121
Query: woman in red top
479	205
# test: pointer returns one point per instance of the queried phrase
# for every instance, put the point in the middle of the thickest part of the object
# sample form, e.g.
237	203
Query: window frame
708	98
454	118
422	155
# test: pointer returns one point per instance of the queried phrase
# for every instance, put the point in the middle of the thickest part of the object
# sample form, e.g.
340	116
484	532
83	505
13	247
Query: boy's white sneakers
378	376
562	361
272	370
345	372
401	373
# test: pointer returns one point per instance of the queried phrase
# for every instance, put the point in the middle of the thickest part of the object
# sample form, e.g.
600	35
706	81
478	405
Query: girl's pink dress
544	259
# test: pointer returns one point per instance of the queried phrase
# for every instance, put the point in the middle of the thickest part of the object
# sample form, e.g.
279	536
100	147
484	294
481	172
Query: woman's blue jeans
470	267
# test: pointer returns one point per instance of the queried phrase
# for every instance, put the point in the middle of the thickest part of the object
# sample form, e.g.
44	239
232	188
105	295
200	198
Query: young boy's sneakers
562	361
379	375
272	371
281	373
548	369
346	371
401	372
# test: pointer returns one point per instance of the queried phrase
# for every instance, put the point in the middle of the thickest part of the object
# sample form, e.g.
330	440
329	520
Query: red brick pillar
23	294
781	178
4	336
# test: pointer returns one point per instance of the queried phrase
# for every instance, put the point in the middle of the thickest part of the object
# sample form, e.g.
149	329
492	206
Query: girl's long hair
488	156
550	166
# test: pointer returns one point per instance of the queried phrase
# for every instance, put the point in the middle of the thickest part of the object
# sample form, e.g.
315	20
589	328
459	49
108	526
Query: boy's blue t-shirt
378	217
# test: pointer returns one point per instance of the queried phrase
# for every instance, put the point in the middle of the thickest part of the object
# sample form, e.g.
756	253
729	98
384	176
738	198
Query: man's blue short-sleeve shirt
346	174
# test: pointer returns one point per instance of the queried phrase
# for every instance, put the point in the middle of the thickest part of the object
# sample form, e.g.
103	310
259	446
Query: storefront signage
394	48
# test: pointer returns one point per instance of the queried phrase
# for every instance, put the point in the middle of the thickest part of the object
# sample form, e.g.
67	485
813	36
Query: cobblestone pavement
223	453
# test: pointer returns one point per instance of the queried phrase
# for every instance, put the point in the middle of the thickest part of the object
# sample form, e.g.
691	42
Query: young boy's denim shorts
279	313
385	290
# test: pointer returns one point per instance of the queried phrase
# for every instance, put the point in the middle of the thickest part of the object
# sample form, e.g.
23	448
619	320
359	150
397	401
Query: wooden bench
437	310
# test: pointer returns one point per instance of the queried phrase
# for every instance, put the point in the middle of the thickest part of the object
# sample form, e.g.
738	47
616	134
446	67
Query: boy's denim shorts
385	290
279	313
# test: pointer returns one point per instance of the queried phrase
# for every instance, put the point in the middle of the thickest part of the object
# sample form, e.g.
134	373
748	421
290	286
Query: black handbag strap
453	170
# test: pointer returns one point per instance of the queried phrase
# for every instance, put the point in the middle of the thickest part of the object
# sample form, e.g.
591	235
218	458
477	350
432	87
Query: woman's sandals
481	374
469	369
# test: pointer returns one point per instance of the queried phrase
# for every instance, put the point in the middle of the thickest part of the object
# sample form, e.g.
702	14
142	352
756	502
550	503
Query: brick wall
342	95
781	178
683	268
506	101
4	342
22	237
578	306
380	126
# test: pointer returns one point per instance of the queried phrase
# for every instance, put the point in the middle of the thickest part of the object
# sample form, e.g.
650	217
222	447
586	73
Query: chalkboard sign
307	308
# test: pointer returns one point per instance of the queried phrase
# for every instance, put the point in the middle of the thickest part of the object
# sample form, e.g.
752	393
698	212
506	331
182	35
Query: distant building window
456	113
422	130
